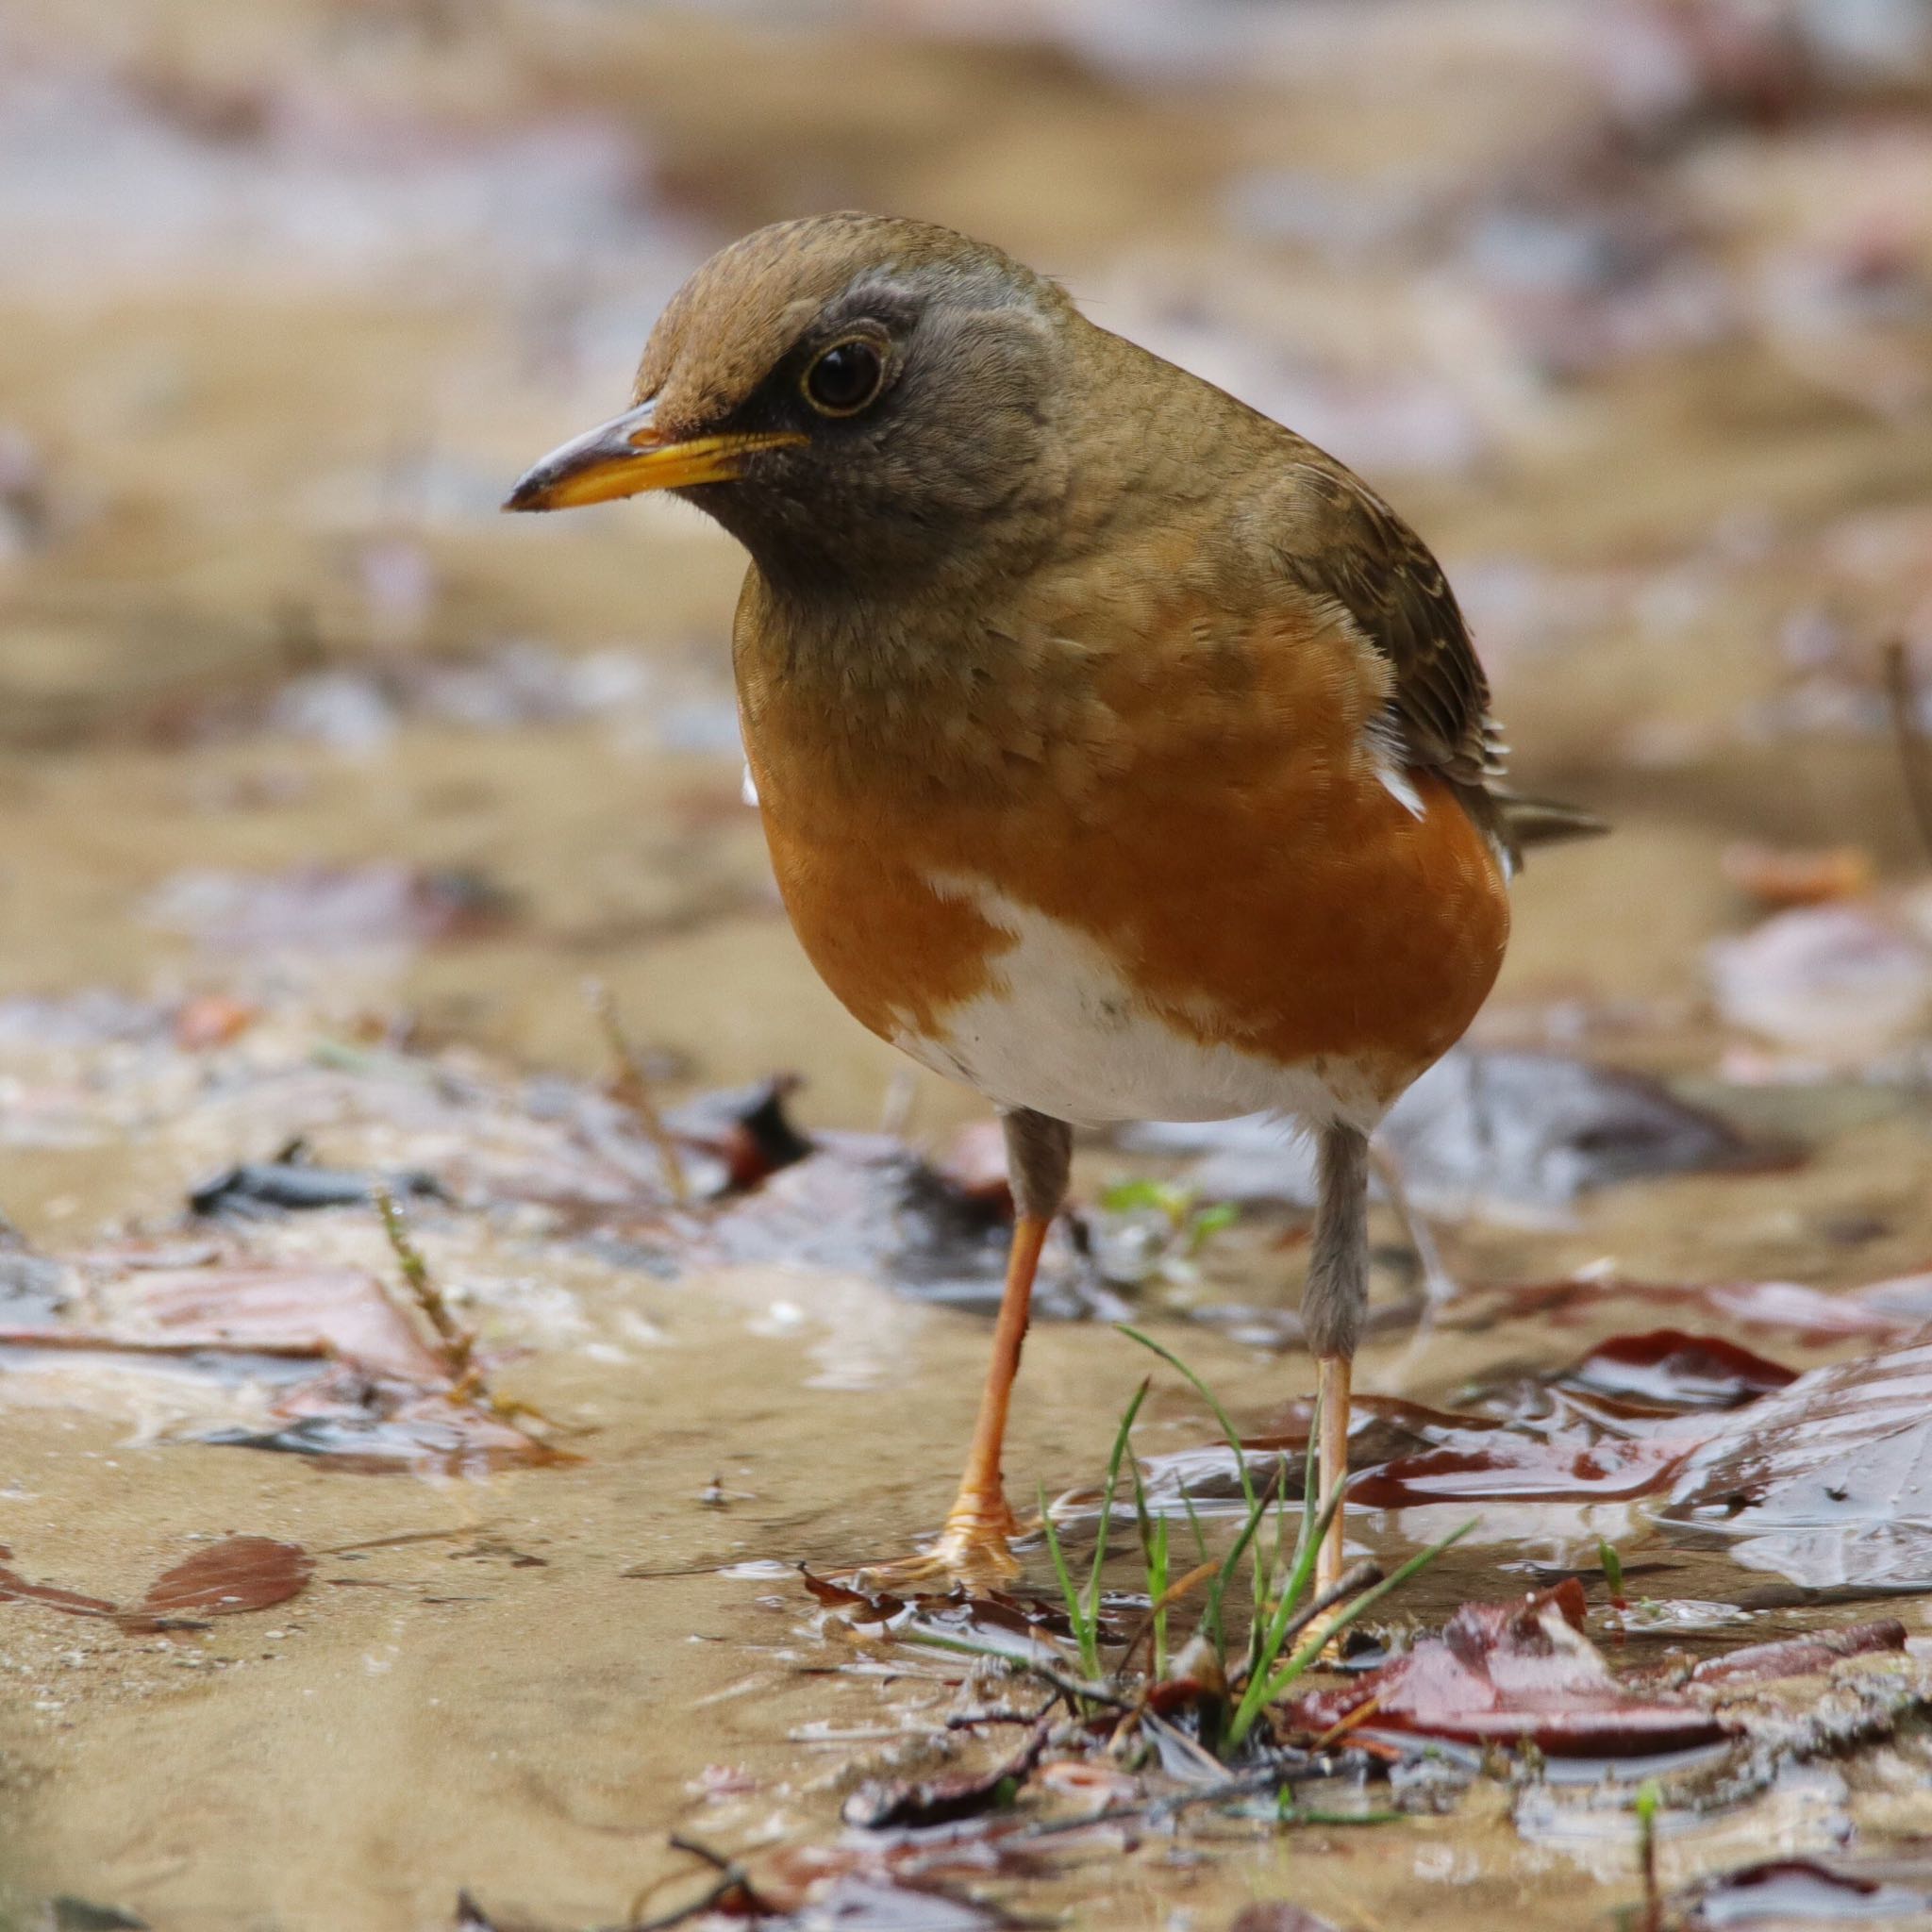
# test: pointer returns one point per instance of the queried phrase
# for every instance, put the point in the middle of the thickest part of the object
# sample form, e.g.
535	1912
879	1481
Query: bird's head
864	403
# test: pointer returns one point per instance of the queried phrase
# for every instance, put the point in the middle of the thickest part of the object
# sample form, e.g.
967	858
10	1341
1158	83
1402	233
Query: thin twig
715	1859
631	1087
1154	1808
1073	1686
458	1343
1067	1685
731	1878
973	1719
1341	1729
1360	1577
1914	750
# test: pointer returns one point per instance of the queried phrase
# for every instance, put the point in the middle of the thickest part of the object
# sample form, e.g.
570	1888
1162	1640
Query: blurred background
1627	303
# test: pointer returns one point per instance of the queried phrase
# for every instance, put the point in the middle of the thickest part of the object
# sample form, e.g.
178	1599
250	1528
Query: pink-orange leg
1333	1374
974	1542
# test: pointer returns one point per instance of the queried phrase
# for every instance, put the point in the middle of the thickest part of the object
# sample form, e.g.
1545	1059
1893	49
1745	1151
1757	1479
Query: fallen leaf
1615	1425
896	1882
239	1574
287	1186
1519	1469
343	1372
1513	1673
987	1616
1805	1313
1906	1300
748	1128
1828	1481
867	1205
1669	1369
1789	1891
15	1588
873	1905
1800	1657
344	1311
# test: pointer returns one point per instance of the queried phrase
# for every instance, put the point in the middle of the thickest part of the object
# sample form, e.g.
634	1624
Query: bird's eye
845	377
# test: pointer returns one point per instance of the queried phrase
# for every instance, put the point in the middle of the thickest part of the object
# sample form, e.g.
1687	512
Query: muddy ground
324	792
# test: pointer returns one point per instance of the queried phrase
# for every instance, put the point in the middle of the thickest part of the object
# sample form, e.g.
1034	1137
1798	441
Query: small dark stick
731	1878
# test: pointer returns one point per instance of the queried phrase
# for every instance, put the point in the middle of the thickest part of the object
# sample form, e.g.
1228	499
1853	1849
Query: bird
1121	753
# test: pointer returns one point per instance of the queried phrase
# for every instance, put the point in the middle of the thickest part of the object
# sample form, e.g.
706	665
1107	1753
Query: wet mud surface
324	793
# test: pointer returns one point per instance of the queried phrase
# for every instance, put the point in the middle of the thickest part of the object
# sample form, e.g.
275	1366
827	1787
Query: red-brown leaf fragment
1801	1657
19	1589
239	1574
1784	1891
1514	1673
1669	1369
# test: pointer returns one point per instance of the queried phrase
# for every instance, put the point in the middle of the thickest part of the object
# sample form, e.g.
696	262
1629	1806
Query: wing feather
1349	547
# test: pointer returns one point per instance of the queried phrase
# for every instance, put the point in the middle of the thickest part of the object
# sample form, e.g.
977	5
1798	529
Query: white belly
1061	1030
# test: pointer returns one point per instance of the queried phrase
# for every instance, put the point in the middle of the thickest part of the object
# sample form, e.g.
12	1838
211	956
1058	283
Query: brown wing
1351	547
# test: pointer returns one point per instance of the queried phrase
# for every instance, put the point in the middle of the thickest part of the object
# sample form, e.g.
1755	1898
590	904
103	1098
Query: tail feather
1514	821
1544	821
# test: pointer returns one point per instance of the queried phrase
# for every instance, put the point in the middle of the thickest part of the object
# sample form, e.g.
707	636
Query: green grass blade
1217	1590
1077	1615
1612	1567
1274	1634
1210	1614
1108	1494
1207	1395
1313	1648
1156	1577
1195	1523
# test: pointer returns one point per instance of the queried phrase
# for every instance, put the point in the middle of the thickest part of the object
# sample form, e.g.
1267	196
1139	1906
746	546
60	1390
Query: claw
975	1547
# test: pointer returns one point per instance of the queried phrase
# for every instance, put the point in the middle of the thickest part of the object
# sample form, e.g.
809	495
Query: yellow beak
628	455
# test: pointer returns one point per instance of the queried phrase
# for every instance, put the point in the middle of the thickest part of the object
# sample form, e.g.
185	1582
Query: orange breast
1202	801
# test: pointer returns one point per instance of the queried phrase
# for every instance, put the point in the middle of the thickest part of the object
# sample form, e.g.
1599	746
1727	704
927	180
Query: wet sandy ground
300	287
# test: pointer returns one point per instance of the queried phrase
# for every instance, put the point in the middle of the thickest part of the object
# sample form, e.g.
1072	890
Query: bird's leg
975	1540
981	1519
1333	1305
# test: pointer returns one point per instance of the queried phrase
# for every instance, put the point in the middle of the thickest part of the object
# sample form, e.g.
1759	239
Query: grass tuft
1289	1626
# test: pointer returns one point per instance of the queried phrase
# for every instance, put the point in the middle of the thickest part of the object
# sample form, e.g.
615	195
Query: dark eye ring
845	379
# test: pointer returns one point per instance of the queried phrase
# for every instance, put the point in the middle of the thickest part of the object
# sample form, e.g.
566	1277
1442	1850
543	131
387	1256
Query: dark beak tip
526	495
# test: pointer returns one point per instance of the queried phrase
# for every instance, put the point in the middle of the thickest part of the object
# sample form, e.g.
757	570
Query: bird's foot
975	1547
